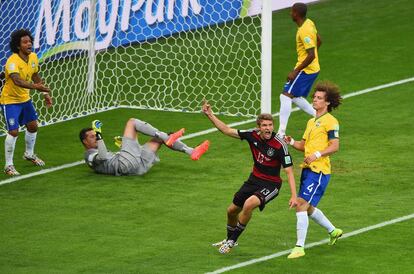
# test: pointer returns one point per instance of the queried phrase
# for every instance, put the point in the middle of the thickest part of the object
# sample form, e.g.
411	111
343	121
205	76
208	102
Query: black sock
239	229
230	230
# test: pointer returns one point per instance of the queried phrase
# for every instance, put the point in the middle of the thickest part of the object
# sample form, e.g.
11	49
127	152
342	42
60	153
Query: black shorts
264	190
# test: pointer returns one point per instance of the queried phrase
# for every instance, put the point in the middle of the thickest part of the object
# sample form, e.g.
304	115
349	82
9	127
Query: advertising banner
62	26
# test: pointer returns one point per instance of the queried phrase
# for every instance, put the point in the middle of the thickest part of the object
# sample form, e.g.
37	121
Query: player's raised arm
220	125
102	150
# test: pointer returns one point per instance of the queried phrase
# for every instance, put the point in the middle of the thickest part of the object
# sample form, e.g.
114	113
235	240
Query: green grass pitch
74	221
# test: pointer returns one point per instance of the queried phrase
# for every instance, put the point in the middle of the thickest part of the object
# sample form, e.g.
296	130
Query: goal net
151	54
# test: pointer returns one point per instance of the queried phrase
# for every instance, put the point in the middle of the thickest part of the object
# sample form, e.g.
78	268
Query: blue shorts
18	114
301	85
312	186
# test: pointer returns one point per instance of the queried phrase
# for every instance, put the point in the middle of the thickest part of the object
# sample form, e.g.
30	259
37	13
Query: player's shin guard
230	230
301	227
148	129
9	145
180	146
304	105
284	113
30	140
237	232
321	219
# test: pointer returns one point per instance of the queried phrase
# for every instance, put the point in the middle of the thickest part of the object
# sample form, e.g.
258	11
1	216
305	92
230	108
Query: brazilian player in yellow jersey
21	75
321	139
301	78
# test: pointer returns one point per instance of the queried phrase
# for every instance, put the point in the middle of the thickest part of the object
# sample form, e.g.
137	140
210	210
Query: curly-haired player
21	75
321	139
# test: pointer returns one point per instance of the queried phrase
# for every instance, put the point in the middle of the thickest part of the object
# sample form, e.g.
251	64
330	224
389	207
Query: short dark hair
263	117
301	9
332	93
82	133
15	38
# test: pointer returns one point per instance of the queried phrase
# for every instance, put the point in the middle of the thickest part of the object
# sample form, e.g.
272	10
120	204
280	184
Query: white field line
285	252
352	94
204	132
40	172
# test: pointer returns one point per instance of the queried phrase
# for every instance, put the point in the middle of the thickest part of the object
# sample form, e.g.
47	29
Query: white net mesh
151	54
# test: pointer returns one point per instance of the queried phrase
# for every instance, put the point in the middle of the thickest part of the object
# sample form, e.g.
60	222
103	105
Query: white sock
9	145
304	105
321	219
30	139
301	227
284	113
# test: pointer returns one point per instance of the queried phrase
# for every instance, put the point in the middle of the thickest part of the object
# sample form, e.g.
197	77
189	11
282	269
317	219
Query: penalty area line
286	252
204	132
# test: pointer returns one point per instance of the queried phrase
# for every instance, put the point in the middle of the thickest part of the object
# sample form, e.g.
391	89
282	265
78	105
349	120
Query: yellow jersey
306	38
317	135
11	93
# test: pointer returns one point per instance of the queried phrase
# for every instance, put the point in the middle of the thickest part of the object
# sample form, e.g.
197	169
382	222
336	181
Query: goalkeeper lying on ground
132	159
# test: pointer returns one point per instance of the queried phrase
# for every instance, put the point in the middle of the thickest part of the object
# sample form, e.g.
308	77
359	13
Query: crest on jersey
307	40
270	152
12	66
33	65
318	123
12	121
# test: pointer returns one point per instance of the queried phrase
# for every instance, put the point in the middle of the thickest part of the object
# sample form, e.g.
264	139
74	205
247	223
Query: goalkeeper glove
118	141
97	127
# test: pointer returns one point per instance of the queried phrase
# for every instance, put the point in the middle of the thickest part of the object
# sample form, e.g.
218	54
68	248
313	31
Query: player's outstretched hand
97	126
311	158
48	100
293	202
287	139
292	75
206	107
